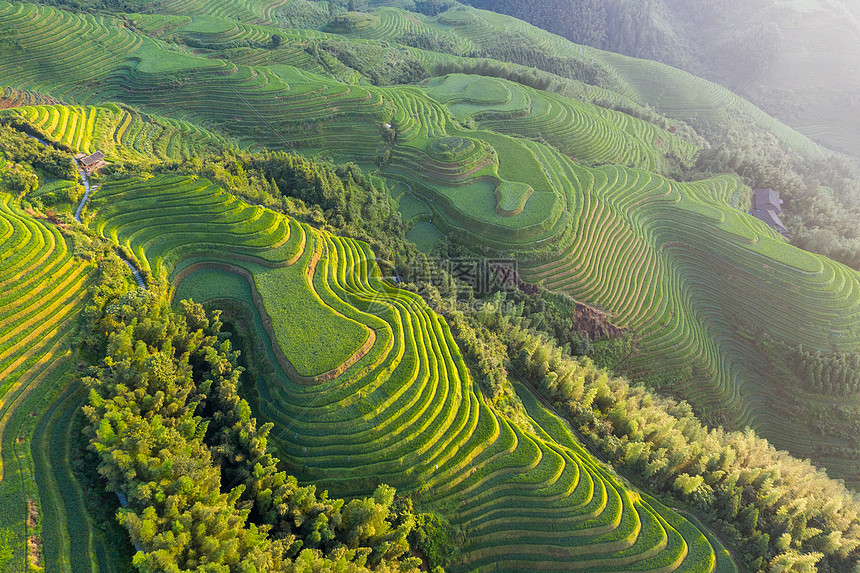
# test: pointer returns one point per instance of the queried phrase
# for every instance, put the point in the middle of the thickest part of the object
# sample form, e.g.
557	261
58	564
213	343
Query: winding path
86	195
123	501
80	208
83	203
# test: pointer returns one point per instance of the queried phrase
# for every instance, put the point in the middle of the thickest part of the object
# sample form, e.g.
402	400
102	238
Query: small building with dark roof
90	163
767	206
764	199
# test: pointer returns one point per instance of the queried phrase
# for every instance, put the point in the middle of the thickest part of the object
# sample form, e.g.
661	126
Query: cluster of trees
822	193
745	53
438	540
178	443
833	373
382	63
825	208
18	148
485	356
124	6
780	513
306	14
350	21
353	203
645	113
518	48
532	77
427	41
432	7
232	44
537	307
19	179
70	194
822	389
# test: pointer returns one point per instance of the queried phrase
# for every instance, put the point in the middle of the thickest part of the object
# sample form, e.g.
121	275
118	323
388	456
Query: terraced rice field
119	132
679	94
508	197
425	236
390	24
11	97
404	412
300	317
585	131
75	58
357	367
494	183
624	240
466	28
297	109
137	63
44	288
671	91
57	192
290	106
254	11
686	272
463	27
213	32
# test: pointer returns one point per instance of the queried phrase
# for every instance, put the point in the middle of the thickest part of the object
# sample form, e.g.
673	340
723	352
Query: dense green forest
656	29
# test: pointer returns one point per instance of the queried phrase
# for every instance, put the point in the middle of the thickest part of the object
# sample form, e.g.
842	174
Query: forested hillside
795	60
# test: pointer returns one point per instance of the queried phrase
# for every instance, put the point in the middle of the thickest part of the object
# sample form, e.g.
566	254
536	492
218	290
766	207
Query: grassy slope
690	275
